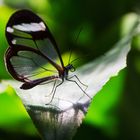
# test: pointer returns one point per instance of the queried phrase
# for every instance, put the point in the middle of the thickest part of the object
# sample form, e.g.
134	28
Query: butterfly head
70	67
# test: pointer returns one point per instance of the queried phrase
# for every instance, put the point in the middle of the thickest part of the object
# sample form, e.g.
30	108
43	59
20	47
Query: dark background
115	110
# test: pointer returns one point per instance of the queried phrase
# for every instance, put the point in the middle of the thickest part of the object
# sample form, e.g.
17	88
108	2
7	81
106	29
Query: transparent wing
33	52
28	65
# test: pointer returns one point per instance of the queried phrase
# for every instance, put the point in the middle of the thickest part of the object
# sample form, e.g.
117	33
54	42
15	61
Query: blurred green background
115	110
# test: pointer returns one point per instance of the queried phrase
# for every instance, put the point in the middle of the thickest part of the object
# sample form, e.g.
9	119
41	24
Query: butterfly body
63	75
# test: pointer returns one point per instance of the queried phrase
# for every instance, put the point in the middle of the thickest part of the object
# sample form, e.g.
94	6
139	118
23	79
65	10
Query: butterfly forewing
33	53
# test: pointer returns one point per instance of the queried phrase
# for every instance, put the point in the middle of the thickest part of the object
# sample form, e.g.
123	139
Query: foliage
114	113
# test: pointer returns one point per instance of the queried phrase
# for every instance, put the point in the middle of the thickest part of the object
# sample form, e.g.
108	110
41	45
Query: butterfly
31	48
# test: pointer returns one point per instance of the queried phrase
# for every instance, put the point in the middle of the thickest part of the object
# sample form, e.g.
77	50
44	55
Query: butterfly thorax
66	70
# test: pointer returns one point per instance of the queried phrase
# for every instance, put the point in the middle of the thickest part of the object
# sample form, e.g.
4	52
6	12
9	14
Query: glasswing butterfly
32	47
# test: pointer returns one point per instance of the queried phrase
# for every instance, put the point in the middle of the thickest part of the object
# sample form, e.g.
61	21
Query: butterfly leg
79	81
54	90
69	79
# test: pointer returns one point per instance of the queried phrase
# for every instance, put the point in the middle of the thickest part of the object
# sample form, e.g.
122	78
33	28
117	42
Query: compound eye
72	69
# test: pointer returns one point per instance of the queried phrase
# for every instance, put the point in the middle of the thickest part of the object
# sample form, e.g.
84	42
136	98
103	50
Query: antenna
76	42
78	58
70	56
78	34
